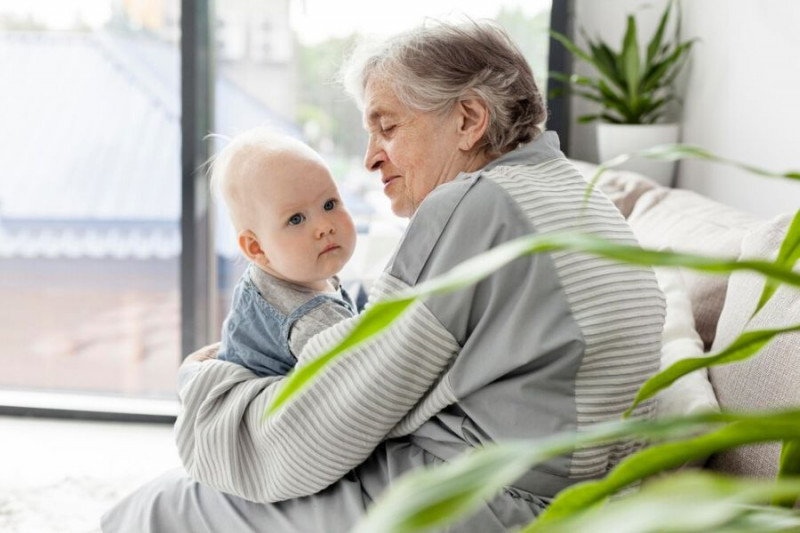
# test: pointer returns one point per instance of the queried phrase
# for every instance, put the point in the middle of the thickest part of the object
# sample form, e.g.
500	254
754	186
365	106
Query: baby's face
303	228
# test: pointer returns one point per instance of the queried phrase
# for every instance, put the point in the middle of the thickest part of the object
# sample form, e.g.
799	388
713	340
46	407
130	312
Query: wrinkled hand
203	354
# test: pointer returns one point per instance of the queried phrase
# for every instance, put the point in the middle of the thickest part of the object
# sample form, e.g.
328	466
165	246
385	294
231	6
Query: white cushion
692	393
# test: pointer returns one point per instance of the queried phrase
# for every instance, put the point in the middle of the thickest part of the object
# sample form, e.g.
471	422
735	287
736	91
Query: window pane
89	196
276	64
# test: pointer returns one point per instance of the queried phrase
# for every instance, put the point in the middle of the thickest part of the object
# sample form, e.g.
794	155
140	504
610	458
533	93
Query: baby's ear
251	248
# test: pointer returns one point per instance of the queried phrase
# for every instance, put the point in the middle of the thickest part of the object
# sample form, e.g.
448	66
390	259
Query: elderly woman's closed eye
454	120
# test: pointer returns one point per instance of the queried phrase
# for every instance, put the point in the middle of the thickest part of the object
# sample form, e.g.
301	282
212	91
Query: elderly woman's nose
374	157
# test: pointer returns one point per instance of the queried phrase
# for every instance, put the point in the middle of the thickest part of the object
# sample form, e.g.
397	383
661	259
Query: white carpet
59	476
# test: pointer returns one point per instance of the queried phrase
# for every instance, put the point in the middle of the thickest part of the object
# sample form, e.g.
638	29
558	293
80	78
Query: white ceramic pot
616	139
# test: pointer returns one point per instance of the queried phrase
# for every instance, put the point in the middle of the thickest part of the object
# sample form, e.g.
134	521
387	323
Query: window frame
197	271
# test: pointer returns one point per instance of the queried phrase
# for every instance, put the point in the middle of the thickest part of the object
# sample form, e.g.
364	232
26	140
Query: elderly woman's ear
473	119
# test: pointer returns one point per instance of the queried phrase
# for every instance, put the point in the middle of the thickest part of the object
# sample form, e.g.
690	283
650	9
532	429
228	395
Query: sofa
717	307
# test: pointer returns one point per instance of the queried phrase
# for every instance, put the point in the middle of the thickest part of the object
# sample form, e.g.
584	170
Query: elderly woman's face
415	152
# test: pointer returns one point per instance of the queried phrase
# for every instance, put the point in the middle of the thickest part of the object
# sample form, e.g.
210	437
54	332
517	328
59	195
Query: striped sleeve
223	441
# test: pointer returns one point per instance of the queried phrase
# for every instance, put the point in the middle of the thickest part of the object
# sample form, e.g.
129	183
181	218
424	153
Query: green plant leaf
666	456
789	467
676	37
574	84
608	60
614	101
669	79
655	42
744	347
674	152
788	255
761	519
577	51
611	118
585	119
649	105
663	72
652	119
589	96
424	499
682	151
615	60
554	91
574	79
687	502
639	256
630	60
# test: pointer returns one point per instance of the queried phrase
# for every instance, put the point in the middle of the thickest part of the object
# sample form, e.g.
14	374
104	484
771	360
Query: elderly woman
551	342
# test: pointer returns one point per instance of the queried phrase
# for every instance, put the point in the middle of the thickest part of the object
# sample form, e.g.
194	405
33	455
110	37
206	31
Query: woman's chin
402	208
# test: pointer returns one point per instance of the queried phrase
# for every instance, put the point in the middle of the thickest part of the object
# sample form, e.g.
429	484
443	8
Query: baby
297	235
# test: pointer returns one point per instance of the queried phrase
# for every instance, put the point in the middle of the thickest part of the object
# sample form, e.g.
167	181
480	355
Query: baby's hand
203	354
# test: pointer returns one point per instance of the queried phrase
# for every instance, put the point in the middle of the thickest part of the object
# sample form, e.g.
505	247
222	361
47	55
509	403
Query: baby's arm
320	318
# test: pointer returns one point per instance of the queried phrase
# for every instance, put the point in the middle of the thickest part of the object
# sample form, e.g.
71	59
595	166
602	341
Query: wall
741	93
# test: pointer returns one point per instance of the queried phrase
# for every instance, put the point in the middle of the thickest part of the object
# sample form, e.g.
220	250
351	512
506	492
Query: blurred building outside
90	190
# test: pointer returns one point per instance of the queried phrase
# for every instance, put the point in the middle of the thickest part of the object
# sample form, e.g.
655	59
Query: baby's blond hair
245	159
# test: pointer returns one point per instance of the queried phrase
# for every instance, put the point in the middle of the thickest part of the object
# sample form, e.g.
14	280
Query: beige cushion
622	187
771	378
688	222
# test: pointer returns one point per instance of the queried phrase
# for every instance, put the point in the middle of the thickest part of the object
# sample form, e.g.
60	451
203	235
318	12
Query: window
89	198
91	191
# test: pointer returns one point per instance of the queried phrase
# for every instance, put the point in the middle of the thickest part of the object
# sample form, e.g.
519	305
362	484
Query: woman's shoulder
465	215
475	191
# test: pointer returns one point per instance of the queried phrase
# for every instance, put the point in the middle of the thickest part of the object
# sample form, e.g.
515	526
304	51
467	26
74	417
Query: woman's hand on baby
203	354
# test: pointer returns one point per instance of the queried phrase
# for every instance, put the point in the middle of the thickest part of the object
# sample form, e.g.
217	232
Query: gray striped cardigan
550	343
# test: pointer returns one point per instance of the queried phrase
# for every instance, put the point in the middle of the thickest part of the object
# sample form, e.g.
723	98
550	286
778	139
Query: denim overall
256	333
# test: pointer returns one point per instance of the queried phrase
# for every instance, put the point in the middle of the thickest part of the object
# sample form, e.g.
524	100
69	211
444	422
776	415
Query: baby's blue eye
296	219
329	205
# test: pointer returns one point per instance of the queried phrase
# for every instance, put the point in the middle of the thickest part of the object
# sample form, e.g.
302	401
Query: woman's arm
343	416
224	441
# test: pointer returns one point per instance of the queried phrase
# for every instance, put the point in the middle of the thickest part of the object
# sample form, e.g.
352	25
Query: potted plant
633	87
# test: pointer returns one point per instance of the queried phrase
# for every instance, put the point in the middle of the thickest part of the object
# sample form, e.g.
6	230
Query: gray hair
434	66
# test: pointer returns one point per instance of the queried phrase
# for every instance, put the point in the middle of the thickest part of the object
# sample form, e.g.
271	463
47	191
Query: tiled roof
89	239
90	144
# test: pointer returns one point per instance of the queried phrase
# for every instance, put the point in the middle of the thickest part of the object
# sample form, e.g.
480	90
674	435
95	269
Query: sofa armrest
770	379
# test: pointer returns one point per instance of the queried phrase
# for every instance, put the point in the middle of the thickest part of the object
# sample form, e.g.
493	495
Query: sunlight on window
90	200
